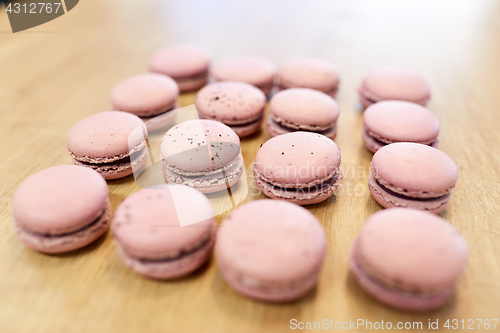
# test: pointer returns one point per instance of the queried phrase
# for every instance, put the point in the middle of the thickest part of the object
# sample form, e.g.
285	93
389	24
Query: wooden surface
54	75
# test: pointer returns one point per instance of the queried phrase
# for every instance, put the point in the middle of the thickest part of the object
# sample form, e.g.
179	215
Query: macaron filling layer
266	88
105	211
105	160
203	243
271	290
66	241
368	99
228	175
415	299
173	266
299	192
291	127
153	114
383	142
194	77
296	126
406	197
389	198
246	123
122	162
331	92
314	185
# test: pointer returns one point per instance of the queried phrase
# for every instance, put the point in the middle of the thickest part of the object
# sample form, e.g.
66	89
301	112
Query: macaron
398	121
271	250
203	154
412	175
236	104
254	70
151	97
187	64
309	72
112	143
61	209
299	167
408	259
393	83
302	109
164	233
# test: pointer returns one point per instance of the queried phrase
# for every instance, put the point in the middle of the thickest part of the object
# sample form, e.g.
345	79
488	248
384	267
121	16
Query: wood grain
58	73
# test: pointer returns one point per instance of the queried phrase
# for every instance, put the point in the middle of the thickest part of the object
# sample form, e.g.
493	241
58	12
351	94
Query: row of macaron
189	66
269	250
304	105
241	106
302	167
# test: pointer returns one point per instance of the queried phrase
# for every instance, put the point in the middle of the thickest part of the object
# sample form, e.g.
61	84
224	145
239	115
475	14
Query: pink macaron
271	250
152	97
203	154
254	70
187	64
393	83
309	72
113	143
412	175
408	259
61	209
164	233
302	109
398	121
237	104
299	167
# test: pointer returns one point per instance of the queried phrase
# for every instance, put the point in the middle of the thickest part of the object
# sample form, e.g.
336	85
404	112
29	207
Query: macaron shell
415	168
412	250
297	158
200	146
271	295
160	224
394	83
309	72
180	61
60	199
303	106
107	135
398	121
247	242
250	69
232	103
145	95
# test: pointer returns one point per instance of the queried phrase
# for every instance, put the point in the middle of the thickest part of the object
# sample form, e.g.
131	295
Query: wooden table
56	74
